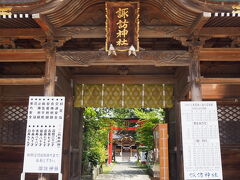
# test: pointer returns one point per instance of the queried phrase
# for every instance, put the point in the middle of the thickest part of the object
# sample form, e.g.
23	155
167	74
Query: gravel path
125	171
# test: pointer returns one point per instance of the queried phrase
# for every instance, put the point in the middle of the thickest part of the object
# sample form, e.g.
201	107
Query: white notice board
200	137
44	134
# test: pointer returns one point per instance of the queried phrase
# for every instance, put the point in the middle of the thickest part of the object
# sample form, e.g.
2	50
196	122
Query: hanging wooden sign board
5	11
122	25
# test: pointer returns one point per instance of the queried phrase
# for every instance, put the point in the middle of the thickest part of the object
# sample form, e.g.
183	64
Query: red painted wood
133	121
124	128
110	145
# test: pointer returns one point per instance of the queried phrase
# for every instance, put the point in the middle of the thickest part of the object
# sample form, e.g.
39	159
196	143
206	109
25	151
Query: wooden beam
157	58
99	31
220	91
44	23
162	31
22	81
124	79
50	73
24	33
152	31
89	31
219	54
220	31
199	23
86	58
203	80
10	93
82	32
22	55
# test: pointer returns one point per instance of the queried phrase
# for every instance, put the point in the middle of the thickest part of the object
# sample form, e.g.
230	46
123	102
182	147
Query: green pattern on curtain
124	95
132	95
112	95
153	96
88	96
169	96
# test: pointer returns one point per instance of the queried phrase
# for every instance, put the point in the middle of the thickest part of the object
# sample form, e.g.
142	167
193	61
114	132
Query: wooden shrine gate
54	48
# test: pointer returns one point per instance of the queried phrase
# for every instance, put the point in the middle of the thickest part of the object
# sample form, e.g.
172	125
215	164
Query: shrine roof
223	20
18	21
92	12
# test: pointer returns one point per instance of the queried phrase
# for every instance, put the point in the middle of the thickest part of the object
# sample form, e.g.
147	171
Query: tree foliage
150	118
96	128
97	122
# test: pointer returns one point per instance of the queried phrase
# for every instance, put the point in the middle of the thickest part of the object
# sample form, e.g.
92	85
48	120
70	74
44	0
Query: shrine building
151	54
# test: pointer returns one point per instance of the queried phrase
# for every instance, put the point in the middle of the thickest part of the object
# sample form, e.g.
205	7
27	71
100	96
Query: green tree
96	128
150	118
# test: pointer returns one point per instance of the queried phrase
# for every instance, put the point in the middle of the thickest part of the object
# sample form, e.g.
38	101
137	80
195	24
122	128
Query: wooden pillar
196	95
64	88
179	151
181	89
49	86
171	120
76	143
110	146
194	72
67	139
50	69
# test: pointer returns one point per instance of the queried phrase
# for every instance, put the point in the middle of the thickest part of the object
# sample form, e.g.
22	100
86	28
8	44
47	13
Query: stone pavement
125	171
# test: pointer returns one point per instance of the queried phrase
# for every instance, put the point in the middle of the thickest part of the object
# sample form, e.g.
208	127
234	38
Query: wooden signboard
122	25
5	11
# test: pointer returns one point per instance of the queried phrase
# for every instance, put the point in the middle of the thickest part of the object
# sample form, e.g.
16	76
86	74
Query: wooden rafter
68	11
199	23
44	23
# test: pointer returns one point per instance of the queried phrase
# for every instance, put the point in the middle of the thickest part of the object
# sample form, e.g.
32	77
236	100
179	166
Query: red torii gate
112	128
